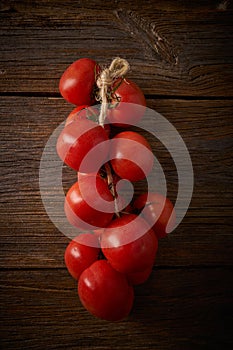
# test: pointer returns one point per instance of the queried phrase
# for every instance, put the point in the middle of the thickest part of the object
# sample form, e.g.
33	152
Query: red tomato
104	292
77	139
78	112
122	206
139	277
81	176
80	253
77	208
135	256
98	232
121	202
103	175
77	83
86	112
158	212
131	162
128	103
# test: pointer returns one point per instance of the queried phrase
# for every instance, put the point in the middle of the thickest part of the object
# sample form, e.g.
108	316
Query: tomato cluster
117	247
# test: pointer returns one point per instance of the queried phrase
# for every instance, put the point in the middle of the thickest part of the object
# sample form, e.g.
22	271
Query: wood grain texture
181	55
176	309
28	238
173	48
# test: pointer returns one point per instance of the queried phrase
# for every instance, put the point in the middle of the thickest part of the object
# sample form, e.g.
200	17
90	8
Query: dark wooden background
181	54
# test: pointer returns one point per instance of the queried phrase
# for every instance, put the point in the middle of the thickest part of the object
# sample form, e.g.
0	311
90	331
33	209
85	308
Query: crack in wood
36	289
148	35
5	7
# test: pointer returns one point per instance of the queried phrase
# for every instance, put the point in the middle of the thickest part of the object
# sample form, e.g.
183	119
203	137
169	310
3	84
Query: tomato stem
112	188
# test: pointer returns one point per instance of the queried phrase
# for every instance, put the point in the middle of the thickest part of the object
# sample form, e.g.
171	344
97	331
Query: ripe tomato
83	112
104	292
135	256
80	253
98	232
86	112
158	212
81	176
79	112
128	103
123	204
102	173
77	139
131	161
139	277
78	209
77	83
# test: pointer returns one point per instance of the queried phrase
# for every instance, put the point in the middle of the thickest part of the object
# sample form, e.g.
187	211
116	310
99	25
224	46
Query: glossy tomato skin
78	112
139	277
77	83
104	292
136	256
103	175
80	253
86	112
81	176
83	112
80	213
77	139
158	212
131	161
129	102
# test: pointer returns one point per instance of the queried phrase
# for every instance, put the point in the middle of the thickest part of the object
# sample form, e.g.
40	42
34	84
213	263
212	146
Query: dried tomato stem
112	188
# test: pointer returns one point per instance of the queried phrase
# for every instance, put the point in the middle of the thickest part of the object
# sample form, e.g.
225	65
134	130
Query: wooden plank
28	238
174	48
176	309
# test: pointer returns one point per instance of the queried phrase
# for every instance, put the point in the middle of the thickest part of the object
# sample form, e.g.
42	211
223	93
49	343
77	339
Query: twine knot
117	69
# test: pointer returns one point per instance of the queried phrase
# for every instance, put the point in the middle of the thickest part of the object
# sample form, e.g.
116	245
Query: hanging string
117	69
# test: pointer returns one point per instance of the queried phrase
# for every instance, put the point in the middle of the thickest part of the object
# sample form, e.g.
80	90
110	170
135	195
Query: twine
117	69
